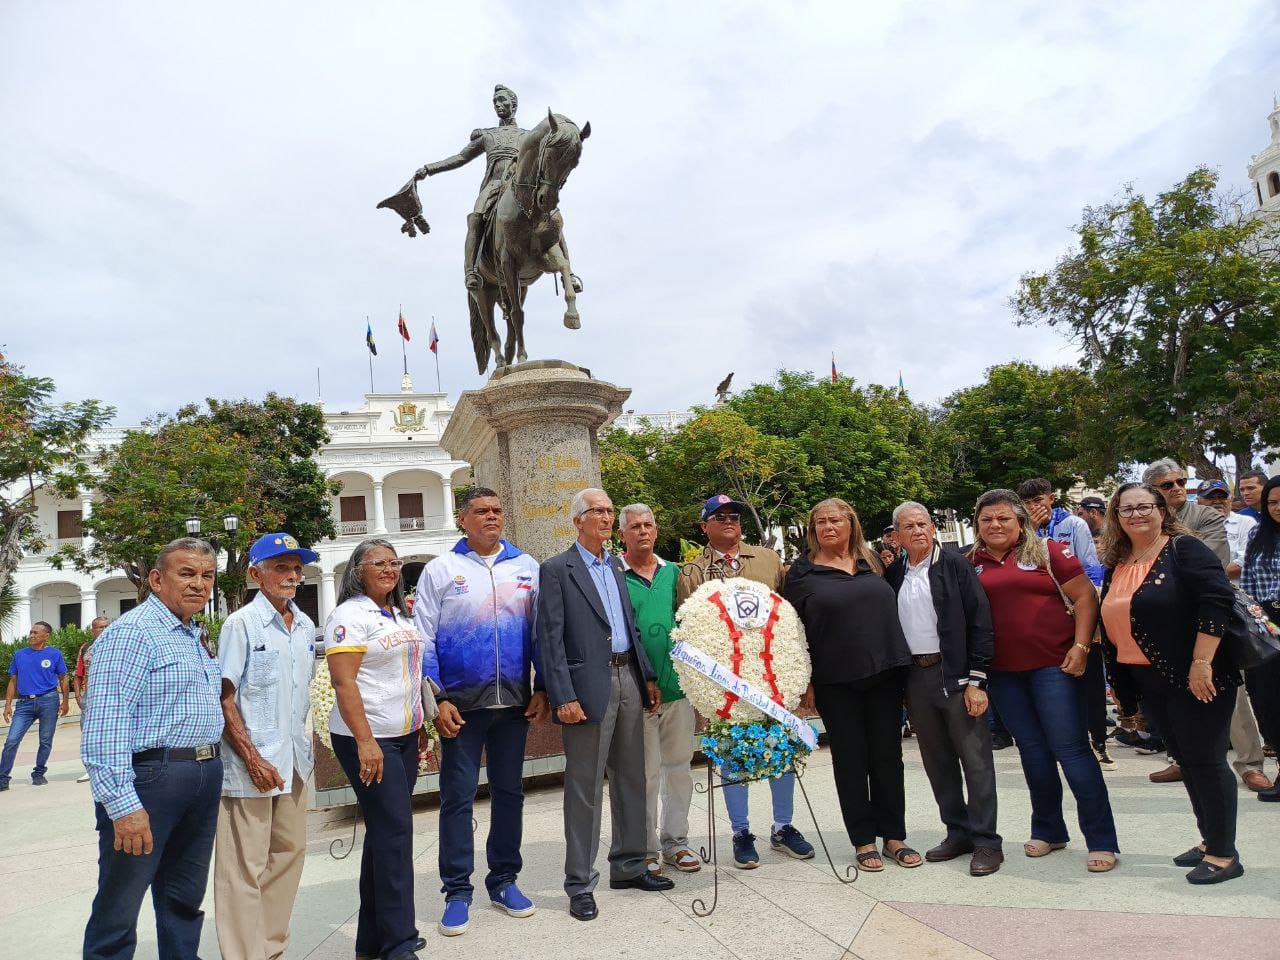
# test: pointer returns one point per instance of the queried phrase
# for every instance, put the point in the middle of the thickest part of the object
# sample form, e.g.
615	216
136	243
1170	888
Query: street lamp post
230	524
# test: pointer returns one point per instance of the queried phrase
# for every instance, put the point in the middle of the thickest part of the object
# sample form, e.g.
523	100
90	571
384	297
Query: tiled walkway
1031	910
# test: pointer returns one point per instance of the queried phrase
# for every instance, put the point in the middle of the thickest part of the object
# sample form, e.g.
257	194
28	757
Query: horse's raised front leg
558	262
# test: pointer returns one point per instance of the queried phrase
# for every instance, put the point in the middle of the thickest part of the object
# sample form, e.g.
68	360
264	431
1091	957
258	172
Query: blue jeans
500	734
783	791
26	712
1045	710
181	800
385	924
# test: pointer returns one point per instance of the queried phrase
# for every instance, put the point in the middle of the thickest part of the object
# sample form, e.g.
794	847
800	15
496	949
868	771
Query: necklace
1150	551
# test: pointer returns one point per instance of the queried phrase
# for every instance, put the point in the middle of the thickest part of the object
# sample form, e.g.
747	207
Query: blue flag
368	339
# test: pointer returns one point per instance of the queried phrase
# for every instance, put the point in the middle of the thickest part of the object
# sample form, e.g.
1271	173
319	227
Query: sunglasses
1170	484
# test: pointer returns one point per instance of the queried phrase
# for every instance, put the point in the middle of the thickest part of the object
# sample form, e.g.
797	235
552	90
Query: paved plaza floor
786	910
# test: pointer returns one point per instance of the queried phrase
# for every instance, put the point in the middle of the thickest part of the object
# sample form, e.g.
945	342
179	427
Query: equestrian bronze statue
515	233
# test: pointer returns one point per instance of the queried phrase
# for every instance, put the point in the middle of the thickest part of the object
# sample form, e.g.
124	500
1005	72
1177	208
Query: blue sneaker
511	900
38	780
744	851
792	842
456	918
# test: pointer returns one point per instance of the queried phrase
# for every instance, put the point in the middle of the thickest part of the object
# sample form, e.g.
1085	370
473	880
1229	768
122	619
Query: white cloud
187	193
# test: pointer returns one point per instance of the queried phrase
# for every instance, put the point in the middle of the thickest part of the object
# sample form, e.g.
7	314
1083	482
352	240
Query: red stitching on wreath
767	654
735	661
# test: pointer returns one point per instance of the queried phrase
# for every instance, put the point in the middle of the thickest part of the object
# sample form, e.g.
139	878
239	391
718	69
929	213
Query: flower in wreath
322	700
752	631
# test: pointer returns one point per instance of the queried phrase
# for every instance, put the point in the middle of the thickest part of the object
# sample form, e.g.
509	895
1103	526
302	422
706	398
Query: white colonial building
397	482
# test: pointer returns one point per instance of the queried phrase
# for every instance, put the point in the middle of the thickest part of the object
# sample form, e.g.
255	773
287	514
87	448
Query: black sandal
898	856
864	859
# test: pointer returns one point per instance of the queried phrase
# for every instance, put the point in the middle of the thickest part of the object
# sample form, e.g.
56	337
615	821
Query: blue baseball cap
718	502
1208	486
278	544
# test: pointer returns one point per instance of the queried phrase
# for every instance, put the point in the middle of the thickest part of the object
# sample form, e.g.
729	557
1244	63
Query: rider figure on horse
499	145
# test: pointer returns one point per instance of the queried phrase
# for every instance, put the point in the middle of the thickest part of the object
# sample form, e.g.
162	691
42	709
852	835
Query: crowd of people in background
1047	618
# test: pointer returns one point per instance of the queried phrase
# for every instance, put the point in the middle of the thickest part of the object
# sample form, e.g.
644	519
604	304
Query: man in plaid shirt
151	745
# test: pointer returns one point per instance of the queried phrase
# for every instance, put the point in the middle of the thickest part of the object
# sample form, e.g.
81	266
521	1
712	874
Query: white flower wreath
322	700
753	632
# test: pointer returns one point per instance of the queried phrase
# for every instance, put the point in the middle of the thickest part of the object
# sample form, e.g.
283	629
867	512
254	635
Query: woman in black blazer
1165	604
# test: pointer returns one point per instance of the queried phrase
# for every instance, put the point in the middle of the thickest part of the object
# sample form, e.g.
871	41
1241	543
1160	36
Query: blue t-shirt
37	670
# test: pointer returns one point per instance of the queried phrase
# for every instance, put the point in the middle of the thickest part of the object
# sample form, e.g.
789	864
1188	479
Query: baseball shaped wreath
755	634
323	699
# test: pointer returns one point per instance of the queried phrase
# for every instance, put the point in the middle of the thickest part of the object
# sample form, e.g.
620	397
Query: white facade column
88	606
86	511
327	599
447	484
379	512
21	619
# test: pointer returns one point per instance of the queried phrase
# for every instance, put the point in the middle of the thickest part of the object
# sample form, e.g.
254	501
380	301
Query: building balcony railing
353	528
361	528
53	544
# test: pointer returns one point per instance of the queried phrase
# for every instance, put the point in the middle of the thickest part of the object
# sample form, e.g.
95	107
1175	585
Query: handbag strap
1048	568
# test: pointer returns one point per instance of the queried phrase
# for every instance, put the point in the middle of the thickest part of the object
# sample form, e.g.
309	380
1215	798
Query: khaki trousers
668	750
1246	741
259	852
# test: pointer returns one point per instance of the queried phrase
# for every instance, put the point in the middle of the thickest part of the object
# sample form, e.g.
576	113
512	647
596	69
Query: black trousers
864	728
386	923
951	741
1263	684
1095	691
1198	734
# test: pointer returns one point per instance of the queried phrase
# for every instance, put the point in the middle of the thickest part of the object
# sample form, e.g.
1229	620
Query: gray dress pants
951	741
615	746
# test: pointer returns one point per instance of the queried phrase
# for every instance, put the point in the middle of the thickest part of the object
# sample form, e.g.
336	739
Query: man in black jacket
947	622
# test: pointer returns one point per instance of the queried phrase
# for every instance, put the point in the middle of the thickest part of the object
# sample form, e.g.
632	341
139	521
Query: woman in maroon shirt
1040	651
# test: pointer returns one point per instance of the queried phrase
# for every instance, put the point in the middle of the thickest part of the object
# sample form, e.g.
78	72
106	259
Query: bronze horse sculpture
525	239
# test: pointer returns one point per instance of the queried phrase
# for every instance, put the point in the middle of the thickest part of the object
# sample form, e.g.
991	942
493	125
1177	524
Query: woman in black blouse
860	658
1165	604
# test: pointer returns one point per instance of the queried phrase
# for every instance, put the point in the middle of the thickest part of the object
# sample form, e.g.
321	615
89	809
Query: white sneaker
83	778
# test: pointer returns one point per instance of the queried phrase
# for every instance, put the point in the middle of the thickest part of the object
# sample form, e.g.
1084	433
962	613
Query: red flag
435	339
404	329
833	368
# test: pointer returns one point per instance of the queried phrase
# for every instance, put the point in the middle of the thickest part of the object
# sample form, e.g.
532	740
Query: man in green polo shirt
668	733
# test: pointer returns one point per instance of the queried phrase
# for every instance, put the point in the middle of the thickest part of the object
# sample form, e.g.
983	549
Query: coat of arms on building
408	418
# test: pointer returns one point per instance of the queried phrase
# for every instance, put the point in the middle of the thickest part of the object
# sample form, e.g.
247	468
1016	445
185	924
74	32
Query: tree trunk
1244	461
1206	469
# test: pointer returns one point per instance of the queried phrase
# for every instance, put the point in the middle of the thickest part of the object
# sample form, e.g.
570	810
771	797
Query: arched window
1273	182
1258	187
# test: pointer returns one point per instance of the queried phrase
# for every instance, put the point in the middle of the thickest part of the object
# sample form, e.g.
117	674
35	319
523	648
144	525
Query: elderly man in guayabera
947	622
267	650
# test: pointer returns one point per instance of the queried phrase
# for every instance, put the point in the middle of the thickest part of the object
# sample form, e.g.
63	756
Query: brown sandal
864	861
900	855
1102	861
1040	848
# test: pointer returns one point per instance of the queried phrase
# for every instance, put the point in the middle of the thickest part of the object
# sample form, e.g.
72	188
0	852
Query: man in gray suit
599	683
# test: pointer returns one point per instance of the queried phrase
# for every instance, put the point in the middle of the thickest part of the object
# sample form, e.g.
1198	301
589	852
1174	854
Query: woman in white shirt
375	660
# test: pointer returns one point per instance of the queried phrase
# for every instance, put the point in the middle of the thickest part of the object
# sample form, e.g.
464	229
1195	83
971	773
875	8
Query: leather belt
36	696
926	659
206	751
618	659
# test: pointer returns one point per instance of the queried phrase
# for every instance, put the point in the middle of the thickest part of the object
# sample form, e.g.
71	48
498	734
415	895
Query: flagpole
436	354
403	353
370	352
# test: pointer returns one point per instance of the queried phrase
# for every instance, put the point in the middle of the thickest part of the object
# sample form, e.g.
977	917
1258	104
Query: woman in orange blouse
1165	604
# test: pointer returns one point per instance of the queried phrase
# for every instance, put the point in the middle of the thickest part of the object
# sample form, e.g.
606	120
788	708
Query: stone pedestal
530	434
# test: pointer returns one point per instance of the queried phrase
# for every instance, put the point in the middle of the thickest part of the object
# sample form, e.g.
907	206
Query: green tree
872	446
1021	422
42	444
1174	304
247	459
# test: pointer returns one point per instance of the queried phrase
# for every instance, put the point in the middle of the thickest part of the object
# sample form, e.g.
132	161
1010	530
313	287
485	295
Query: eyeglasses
384	565
1137	510
726	517
600	511
1170	484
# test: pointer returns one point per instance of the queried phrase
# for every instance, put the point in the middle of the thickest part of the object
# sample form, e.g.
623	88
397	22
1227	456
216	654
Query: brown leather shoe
1256	780
1170	774
985	861
948	850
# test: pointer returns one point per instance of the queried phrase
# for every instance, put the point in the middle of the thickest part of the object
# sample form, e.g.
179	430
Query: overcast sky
187	191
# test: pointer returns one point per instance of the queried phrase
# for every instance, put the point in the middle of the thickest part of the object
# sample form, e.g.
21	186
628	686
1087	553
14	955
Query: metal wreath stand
720	570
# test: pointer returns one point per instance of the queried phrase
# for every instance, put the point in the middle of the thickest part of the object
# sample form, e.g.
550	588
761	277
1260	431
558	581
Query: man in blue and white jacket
475	609
1055	523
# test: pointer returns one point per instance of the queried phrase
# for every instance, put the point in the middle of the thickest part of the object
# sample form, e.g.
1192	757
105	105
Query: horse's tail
479	335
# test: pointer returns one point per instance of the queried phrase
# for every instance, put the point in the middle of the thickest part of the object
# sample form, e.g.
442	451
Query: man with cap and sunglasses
727	556
267	654
1093	511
